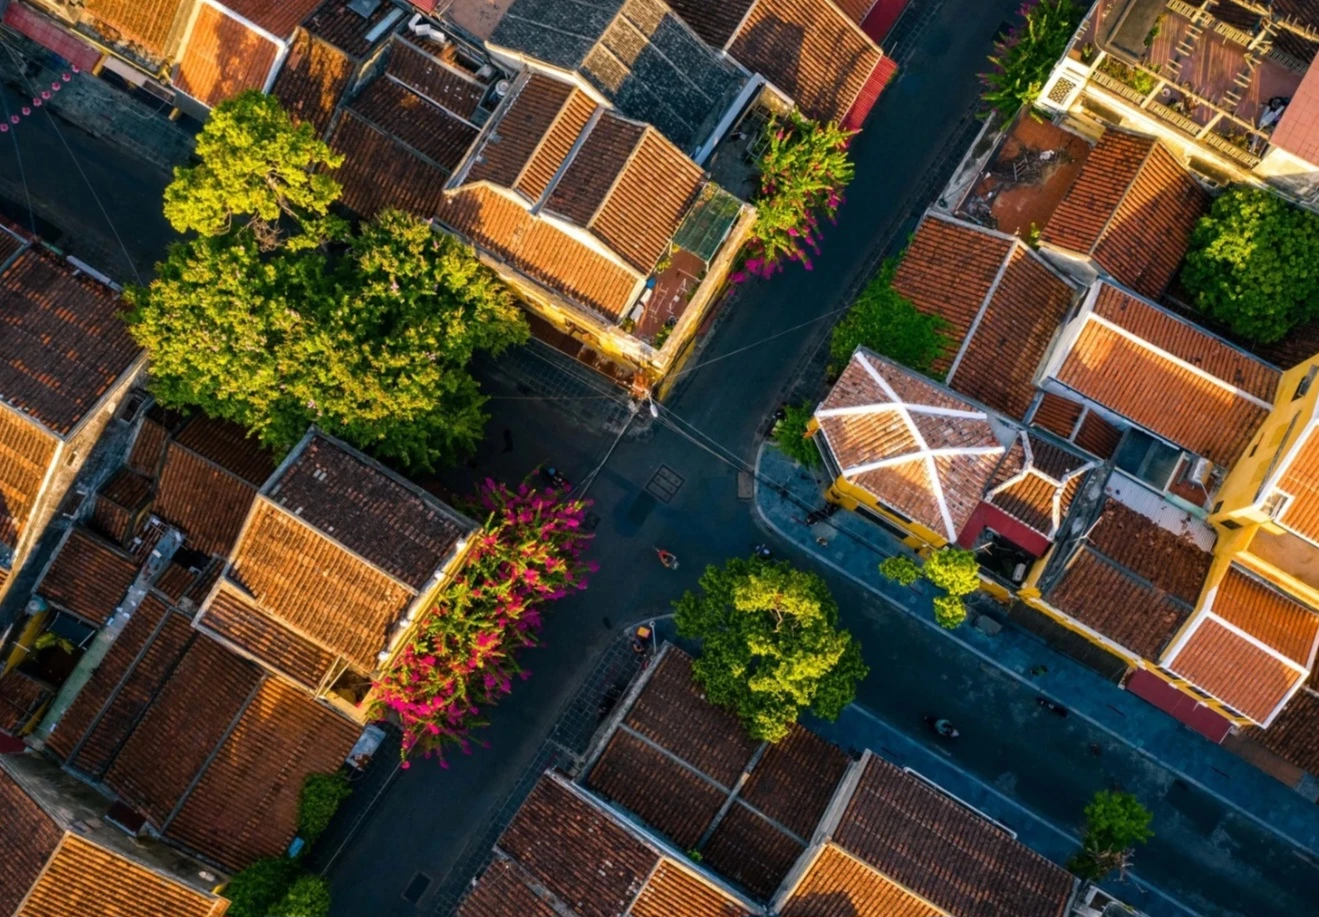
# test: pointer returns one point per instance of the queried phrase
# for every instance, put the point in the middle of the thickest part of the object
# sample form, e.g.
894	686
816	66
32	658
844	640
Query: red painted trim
52	36
1180	706
881	18
870	93
989	516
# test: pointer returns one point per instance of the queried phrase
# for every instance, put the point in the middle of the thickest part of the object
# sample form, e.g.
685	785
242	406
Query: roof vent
364	8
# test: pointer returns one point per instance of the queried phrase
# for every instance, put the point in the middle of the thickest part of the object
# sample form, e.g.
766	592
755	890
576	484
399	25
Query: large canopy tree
770	645
281	316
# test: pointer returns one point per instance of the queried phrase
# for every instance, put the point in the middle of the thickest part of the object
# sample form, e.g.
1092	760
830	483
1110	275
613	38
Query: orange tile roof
245	805
311	80
1168	376
752	852
121	503
1267	614
1036	482
415	185
63	343
447	87
1300	479
231	616
26	451
148	23
83	878
1236	671
1133	208
335	22
527	119
591	174
29	838
673	891
279	17
918	448
810	50
540	250
435	133
223	57
555	145
1298	131
838	884
503	892
89	577
1294	735
714	22
1171	560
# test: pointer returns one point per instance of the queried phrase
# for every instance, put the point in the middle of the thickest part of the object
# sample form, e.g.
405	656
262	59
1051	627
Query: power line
22	173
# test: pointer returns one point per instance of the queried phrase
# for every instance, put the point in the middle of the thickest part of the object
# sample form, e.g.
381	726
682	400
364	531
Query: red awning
881	18
51	35
870	93
1182	707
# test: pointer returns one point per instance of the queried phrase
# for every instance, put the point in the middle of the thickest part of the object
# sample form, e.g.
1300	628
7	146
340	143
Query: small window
1217	507
1303	388
1254	449
1230	524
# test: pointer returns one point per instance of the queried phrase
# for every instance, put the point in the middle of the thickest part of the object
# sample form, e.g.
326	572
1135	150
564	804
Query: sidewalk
856	546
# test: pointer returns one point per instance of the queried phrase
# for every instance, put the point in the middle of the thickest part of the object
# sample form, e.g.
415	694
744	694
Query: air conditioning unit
1200	469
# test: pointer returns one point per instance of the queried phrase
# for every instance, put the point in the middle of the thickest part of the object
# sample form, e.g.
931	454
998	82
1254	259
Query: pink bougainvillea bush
803	172
463	656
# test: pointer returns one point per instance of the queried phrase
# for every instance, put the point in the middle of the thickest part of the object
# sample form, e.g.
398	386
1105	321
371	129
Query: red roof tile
223	58
121	504
555	146
1237	672
1057	414
810	50
149	448
29	839
415	185
147	23
577	852
502	892
714	22
26	451
1300	479
22	697
674	891
751	852
232	617
280	17
1267	614
440	136
1294	735
205	500
89	577
335	22
62	343
184	724
522	126
312	80
837	884
949	855
1037	489
1172	562
432	78
795	779
590	176
246	804
1298	131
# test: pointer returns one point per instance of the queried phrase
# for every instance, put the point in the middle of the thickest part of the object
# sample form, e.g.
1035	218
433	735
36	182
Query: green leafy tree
900	569
1023	60
770	645
954	570
321	796
1115	823
949	611
256	168
254	891
1253	264
790	435
308	896
888	323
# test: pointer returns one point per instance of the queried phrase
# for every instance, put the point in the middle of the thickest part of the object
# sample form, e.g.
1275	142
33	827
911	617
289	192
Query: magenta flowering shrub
803	172
462	657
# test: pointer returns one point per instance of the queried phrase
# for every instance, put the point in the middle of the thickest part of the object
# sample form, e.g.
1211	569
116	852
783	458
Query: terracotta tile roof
235	619
674	800
29	838
280	17
392	523
1294	735
591	174
1174	563
501	892
1097	436
540	250
223	57
555	145
948	270
1036	482
1019	321
149	448
121	503
344	28
62	343
944	852
577	852
312	79
122	686
1133	207
84	878
837	884
147	23
891	433
26	451
184	724
88	578
751	852
246	804
1267	614
673	712
714	22
1112	602
440	136
1300	479
415	185
1237	672
676	892
432	78
314	586
1168	376
1057	414
810	50
10	243
526	120
1298	131
795	779
22	697
201	492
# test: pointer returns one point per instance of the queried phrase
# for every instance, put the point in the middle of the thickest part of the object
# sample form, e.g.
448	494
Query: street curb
1025	680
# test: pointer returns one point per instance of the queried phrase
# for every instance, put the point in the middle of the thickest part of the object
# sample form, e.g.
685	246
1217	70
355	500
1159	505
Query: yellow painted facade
23	642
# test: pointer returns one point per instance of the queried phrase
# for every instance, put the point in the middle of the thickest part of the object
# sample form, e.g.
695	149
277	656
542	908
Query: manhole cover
416	888
665	484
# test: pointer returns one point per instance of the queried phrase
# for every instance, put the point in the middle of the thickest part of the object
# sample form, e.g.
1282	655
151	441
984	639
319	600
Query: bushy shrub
900	569
954	570
790	435
254	891
1023	60
320	798
308	896
888	323
949	611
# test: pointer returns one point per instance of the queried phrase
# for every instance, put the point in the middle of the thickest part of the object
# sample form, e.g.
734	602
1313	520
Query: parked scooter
819	515
762	552
555	477
1055	709
942	727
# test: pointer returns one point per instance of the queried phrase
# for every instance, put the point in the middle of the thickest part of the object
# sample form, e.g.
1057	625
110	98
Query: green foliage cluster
900	569
1138	79
770	645
790	435
277	315
954	570
308	896
256	890
321	796
888	323
1023	60
1115	823
1253	264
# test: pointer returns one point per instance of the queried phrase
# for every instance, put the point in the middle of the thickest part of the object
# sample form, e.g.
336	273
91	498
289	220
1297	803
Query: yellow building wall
23	643
849	496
